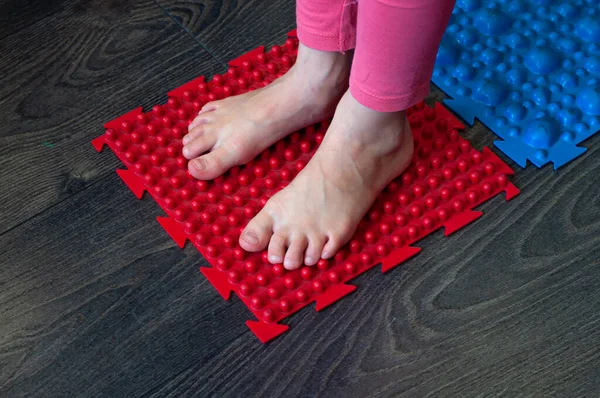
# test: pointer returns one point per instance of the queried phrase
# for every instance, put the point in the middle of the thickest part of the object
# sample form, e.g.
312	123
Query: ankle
328	68
398	136
381	133
391	136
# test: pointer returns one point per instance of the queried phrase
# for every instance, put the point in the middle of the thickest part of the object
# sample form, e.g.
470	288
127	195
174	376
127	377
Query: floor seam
108	174
186	30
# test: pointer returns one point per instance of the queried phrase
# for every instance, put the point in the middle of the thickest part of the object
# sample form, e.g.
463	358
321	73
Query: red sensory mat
446	180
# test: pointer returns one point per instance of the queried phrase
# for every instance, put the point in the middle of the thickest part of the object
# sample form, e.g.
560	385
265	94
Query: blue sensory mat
527	69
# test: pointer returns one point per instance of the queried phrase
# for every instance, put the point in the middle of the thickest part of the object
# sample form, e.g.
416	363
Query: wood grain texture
88	316
15	15
97	301
69	73
229	28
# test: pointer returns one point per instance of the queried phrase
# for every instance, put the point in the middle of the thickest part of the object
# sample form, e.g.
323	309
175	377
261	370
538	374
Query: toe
201	141
294	257
196	129
277	249
199	120
336	238
209	107
313	252
213	164
257	233
331	247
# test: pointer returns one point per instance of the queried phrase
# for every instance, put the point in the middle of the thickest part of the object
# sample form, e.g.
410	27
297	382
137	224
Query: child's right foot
235	130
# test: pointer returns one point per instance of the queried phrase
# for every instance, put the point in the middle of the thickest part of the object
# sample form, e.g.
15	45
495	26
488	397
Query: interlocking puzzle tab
446	180
529	70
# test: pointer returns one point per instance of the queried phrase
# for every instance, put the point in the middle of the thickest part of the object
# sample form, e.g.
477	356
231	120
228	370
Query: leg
233	131
395	51
368	143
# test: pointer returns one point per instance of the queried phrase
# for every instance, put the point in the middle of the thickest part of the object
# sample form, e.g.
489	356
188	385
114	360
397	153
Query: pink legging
395	42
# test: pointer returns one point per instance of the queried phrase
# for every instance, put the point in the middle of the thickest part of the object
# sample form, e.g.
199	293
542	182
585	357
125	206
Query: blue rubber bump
529	70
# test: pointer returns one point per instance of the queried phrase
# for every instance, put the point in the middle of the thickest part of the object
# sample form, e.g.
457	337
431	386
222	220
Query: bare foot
319	211
235	130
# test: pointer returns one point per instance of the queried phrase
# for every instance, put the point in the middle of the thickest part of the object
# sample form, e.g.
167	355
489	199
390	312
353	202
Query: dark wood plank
97	301
229	28
16	15
67	75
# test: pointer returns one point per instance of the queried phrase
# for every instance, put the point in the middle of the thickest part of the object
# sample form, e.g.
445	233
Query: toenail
325	255
185	141
186	151
274	259
200	165
288	263
309	260
250	237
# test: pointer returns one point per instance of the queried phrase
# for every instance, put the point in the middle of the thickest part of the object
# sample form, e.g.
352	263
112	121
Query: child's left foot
319	211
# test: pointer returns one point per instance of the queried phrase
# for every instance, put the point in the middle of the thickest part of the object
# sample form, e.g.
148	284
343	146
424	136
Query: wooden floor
97	301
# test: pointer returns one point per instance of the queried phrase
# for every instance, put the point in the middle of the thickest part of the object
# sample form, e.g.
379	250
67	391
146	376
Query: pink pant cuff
327	25
388	104
319	42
